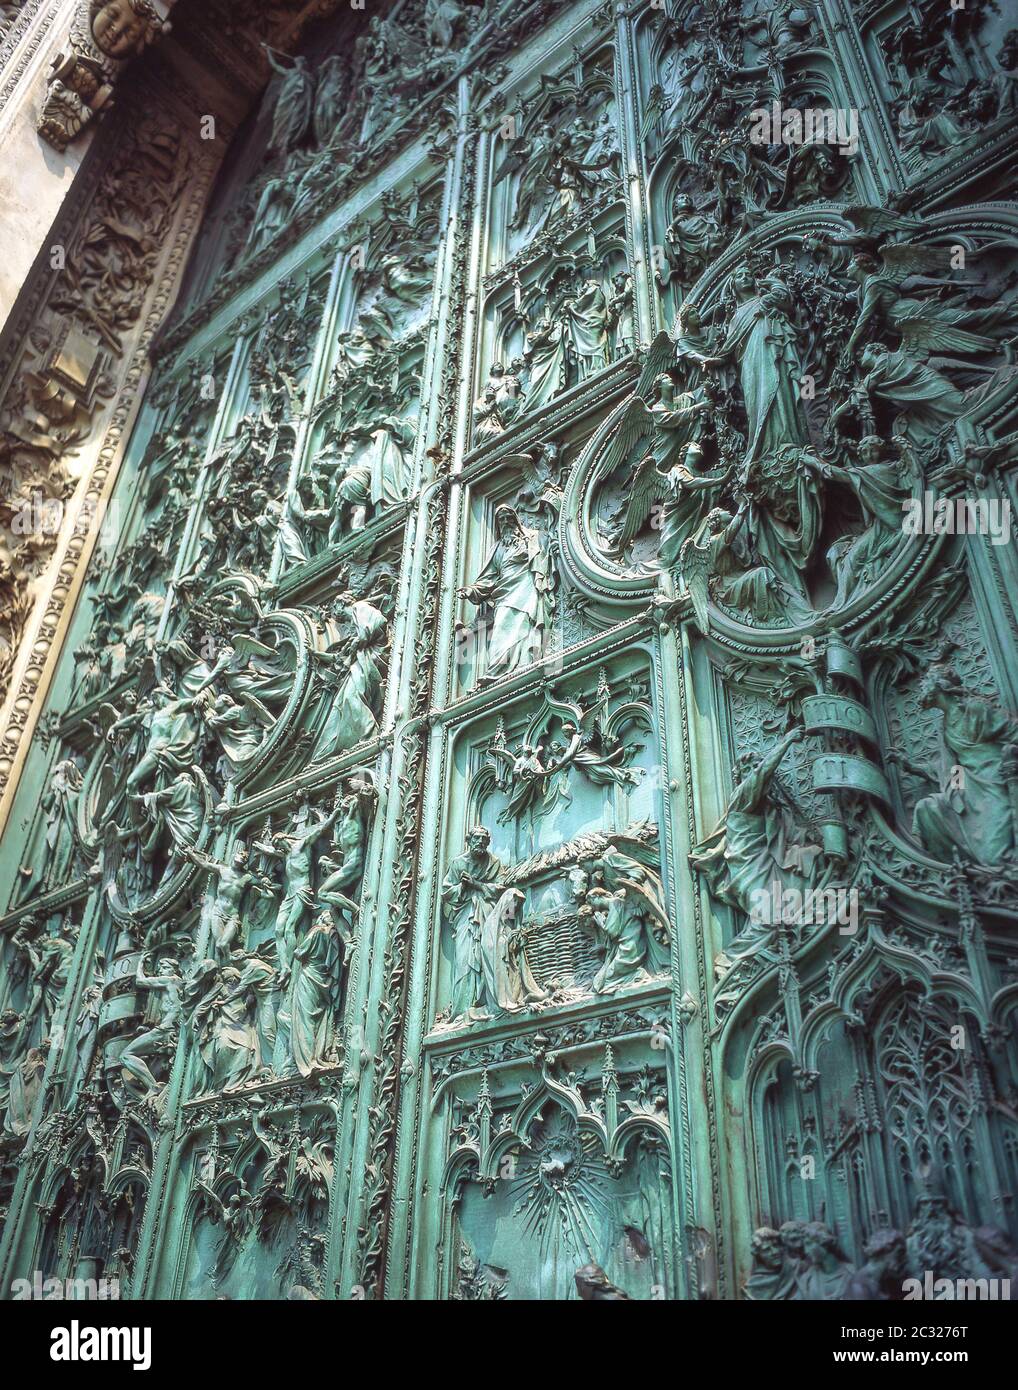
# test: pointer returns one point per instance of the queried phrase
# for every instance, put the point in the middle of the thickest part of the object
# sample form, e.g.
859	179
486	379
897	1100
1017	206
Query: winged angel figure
235	1217
887	284
718	560
669	488
528	773
873	226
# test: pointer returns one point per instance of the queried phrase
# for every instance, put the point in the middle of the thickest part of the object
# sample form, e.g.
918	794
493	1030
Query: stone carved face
939	680
818	1240
123	27
743	281
871	448
507	523
689	318
478	839
766	1247
793	1238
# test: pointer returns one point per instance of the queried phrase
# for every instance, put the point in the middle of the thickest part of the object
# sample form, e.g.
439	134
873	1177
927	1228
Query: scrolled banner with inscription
838	712
837	772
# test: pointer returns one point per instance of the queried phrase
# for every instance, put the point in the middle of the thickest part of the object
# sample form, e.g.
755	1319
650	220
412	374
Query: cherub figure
232	881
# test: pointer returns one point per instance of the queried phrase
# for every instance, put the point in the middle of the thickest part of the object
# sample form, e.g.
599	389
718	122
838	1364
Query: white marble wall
34	178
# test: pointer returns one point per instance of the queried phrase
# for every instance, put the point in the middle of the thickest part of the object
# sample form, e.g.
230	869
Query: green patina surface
532	781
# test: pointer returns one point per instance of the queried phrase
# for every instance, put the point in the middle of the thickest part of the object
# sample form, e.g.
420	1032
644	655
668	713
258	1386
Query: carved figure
508	982
757	843
232	882
158	1040
293	849
761	338
313	997
973	817
516	582
353	663
472	884
24	1088
630	913
291	116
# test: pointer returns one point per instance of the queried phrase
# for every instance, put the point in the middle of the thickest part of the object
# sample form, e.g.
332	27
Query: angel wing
694	571
539	467
261	714
74	775
660	356
872	222
514	160
245	645
525	467
927	332
648	487
635	423
105	717
653	112
214	1203
495	752
112	852
503	774
904	258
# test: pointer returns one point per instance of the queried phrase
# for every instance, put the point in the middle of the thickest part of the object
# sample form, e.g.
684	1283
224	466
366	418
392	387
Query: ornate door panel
528	805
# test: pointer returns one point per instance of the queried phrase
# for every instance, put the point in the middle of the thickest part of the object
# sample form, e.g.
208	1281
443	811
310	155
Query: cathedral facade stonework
509	638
